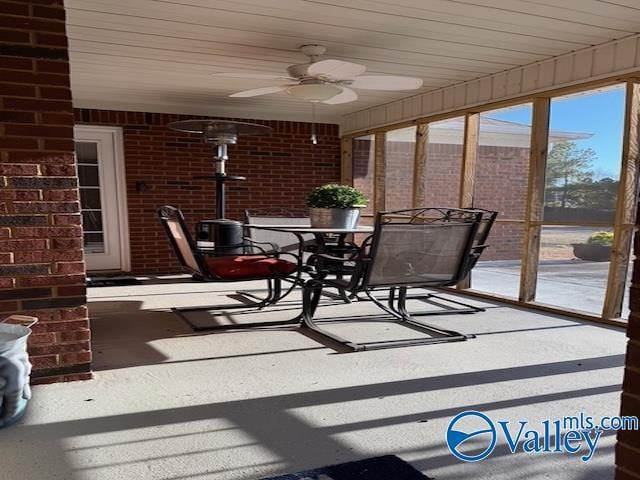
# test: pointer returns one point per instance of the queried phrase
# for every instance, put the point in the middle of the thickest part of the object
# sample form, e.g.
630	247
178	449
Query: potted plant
335	206
597	248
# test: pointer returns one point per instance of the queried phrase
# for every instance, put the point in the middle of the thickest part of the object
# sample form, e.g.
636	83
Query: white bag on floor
14	368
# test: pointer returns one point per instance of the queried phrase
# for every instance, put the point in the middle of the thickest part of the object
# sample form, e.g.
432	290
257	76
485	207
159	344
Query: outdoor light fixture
314	92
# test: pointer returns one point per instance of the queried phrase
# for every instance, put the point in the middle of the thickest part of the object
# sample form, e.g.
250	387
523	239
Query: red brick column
41	260
628	447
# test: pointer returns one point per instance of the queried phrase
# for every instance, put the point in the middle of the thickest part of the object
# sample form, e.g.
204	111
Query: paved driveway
566	283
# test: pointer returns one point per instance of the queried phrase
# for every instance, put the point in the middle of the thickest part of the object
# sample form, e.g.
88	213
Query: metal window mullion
626	205
535	199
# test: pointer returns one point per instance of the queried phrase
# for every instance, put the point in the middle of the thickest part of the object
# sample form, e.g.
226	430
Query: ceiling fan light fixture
316	92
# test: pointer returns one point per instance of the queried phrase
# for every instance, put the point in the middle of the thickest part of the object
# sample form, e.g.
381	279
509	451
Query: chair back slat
419	247
180	238
286	241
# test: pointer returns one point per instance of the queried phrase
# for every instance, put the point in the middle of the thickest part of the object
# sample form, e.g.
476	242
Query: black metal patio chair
426	247
258	261
305	244
287	242
487	220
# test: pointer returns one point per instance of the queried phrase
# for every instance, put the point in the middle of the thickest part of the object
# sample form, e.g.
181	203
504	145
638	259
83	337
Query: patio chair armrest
274	247
326	256
301	240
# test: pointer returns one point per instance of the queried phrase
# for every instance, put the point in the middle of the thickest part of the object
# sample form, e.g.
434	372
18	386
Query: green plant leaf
333	195
601	238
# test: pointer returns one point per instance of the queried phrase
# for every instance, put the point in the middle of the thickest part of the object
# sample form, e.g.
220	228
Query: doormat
111	281
388	467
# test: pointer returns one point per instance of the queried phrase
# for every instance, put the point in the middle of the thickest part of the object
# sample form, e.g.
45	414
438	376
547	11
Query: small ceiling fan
326	81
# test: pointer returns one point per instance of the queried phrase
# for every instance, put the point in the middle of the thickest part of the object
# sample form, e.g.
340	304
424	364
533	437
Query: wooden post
626	205
380	172
468	173
346	164
535	198
419	165
469	159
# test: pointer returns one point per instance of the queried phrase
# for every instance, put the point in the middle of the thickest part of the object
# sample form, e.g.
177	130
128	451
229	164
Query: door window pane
90	202
94	243
444	163
363	158
88	175
91	221
90	198
584	156
399	160
571	272
87	152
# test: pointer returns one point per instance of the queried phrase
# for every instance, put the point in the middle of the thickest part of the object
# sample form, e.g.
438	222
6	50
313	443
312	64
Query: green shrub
336	196
601	238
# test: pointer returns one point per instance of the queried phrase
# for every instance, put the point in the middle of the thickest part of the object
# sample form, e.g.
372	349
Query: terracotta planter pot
592	253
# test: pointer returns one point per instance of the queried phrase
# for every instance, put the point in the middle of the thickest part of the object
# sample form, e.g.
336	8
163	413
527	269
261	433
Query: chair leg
310	298
443	311
396	308
273	295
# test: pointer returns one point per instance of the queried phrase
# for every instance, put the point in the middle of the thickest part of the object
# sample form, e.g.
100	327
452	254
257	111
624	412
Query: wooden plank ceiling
158	55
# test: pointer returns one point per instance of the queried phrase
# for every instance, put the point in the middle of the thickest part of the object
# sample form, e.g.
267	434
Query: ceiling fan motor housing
298	71
313	50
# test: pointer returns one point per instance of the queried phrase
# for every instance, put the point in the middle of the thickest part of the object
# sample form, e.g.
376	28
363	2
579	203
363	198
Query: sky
600	113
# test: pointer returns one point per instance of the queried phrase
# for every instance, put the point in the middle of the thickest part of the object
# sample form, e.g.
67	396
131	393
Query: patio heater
220	232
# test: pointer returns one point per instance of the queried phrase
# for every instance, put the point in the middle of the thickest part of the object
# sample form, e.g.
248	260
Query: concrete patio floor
170	404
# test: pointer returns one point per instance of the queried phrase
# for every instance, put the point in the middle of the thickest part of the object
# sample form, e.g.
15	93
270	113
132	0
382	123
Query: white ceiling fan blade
347	95
251	76
336	69
386	82
257	92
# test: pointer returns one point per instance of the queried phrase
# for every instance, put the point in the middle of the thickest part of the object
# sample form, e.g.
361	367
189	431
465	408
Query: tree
568	165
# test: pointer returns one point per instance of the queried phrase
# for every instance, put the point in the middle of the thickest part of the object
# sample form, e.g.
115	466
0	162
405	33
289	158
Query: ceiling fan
326	81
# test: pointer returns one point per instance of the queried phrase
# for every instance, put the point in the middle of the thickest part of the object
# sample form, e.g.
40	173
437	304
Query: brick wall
281	169
363	160
399	161
628	446
500	184
41	262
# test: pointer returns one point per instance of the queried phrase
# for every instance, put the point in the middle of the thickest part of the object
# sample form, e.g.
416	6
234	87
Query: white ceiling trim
203	109
608	59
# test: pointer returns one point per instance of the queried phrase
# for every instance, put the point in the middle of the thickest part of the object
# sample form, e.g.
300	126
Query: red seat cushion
249	266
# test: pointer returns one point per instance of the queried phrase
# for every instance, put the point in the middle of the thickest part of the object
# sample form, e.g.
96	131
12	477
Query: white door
99	152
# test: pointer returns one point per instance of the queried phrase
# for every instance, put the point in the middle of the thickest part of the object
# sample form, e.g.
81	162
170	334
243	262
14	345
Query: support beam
380	173
420	165
468	178
469	159
626	205
346	163
535	199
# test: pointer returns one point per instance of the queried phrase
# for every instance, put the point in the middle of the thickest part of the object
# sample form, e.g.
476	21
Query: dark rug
112	281
388	467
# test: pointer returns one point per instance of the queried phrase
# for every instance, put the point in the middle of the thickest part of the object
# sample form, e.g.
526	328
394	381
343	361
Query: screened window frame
623	226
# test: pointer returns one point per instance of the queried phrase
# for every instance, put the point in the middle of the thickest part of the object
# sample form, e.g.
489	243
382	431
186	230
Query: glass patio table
321	236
